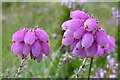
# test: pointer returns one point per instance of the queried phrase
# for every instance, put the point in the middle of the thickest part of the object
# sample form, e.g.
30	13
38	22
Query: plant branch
81	67
20	68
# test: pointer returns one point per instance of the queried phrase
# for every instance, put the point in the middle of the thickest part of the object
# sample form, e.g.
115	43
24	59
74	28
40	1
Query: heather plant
30	41
87	39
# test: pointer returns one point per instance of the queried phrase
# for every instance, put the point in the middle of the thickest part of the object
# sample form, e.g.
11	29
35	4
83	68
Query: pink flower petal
87	40
19	35
36	48
29	38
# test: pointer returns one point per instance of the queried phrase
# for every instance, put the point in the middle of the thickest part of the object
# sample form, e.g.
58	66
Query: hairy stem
90	68
81	67
20	68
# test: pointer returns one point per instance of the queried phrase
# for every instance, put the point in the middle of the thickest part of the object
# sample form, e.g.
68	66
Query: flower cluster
30	41
85	37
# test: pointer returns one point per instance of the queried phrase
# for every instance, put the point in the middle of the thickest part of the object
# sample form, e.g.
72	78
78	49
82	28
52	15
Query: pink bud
39	57
79	52
68	33
74	24
76	52
67	41
87	40
29	38
92	50
64	27
45	48
26	50
79	33
100	52
17	48
78	45
83	53
101	38
42	35
110	45
73	45
79	15
90	24
19	35
36	48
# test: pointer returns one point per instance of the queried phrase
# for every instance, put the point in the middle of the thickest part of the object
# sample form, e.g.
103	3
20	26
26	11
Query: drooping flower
79	15
90	24
87	40
79	33
19	35
29	38
101	38
45	48
31	41
17	49
42	35
92	50
26	50
67	41
73	24
36	48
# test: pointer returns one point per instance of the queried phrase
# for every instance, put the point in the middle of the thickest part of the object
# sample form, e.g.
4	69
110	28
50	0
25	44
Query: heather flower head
31	41
87	39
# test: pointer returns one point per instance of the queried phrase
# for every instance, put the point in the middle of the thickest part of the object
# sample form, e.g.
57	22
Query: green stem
90	68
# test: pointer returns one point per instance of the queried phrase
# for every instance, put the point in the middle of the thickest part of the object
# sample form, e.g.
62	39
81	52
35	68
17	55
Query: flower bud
18	48
74	24
79	15
39	57
73	45
90	24
42	35
64	26
19	35
45	48
100	52
101	38
68	33
36	48
26	50
67	41
79	52
29	38
92	50
79	33
87	40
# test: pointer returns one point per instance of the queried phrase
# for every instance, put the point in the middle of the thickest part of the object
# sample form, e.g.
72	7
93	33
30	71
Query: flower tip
47	41
103	46
89	56
13	41
28	44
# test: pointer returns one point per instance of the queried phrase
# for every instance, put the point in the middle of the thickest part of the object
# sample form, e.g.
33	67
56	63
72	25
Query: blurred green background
50	16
